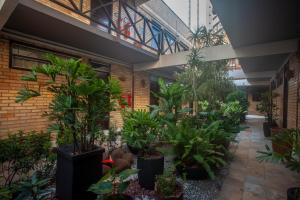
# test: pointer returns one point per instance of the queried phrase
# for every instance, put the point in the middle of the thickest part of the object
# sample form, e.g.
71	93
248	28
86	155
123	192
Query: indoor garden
185	138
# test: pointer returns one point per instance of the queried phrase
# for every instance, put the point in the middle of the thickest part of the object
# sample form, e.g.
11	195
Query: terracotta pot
276	130
282	148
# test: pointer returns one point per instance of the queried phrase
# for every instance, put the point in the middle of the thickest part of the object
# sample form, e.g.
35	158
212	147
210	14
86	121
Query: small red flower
108	161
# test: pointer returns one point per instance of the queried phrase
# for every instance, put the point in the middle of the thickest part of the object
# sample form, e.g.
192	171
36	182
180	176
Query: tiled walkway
251	180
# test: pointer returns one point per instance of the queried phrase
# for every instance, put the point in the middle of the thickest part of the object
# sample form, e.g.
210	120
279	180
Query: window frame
12	43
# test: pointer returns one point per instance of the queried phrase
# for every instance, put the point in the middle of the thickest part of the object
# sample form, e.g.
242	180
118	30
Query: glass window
156	33
102	69
103	72
26	57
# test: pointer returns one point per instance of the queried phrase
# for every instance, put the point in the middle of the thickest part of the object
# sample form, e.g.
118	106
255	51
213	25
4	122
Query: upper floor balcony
112	28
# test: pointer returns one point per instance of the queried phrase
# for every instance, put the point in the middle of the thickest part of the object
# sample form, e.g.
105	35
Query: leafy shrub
34	188
111	138
112	184
217	135
21	153
5	194
241	97
193	147
289	143
140	130
231	113
267	107
80	99
166	184
170	101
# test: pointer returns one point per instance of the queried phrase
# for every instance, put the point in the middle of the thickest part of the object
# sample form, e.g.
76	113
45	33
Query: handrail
123	21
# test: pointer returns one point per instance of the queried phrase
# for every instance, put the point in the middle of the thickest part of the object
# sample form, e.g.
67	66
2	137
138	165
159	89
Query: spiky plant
289	143
80	99
203	37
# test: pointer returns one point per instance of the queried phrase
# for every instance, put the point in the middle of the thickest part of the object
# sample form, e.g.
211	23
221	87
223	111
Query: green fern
25	94
30	77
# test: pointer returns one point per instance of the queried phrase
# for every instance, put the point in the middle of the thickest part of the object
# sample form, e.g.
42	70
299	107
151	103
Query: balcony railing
122	21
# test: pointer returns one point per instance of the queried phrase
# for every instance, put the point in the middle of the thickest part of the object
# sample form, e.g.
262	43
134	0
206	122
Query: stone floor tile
238	174
253	196
254	180
274	194
250	180
254	188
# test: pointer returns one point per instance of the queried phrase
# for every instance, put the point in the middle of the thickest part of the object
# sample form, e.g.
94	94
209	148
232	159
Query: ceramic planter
76	173
293	193
149	168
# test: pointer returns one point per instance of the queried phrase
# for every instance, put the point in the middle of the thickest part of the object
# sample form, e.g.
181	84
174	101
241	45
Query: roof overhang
256	22
35	19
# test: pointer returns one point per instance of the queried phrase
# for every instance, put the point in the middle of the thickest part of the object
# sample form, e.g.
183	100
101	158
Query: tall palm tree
206	38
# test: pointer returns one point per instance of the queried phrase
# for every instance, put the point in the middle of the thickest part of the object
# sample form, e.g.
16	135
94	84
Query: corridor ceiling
252	22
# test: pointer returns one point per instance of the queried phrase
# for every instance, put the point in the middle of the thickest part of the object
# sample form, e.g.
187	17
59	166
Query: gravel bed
193	190
201	190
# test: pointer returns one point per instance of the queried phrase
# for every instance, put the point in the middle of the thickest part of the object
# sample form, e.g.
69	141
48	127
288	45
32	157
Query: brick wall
124	75
294	65
141	98
16	116
292	92
28	116
279	102
141	90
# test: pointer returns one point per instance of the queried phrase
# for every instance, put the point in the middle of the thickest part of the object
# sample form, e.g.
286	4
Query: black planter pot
192	173
149	168
133	150
243	118
293	193
267	129
76	173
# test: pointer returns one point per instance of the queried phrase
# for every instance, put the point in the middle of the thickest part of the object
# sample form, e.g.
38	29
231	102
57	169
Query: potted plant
231	115
279	143
80	102
167	188
241	97
196	156
113	185
170	98
269	109
140	131
34	189
289	156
